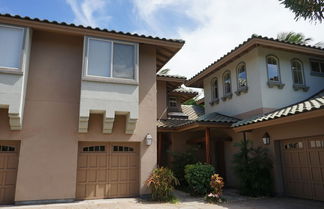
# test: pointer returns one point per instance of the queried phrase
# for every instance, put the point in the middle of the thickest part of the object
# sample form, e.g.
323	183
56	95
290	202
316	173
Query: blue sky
210	28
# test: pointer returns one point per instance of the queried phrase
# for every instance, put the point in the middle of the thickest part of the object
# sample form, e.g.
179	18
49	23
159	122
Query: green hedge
198	178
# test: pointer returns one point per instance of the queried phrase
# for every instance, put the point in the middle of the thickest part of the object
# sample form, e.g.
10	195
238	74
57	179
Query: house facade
77	110
267	91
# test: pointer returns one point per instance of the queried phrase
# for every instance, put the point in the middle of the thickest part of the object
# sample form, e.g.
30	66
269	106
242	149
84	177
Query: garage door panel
92	161
92	175
107	170
9	155
303	168
10	177
82	176
82	161
81	191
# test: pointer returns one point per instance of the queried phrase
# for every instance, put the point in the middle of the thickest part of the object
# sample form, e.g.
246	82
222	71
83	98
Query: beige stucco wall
161	88
49	138
260	98
310	127
237	104
276	98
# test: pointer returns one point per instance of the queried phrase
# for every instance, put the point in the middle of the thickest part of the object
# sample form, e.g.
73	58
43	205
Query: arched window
297	72
214	91
241	76
273	69
227	83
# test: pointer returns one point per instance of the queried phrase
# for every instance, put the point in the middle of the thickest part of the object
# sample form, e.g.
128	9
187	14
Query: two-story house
275	92
78	110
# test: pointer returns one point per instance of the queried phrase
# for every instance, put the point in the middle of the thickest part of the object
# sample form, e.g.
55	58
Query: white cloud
89	12
222	25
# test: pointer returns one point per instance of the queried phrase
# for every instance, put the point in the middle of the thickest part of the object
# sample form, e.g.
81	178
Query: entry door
303	167
107	170
9	155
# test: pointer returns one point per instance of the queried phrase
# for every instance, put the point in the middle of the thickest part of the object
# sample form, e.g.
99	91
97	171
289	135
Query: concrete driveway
193	203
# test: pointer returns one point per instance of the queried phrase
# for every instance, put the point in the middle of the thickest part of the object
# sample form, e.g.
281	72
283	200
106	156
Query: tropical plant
293	37
307	9
253	168
162	182
198	178
217	184
180	160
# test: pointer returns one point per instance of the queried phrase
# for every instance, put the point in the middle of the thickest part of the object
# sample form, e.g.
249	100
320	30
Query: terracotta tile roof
253	37
184	91
192	111
89	28
217	118
171	76
314	103
195	114
171	123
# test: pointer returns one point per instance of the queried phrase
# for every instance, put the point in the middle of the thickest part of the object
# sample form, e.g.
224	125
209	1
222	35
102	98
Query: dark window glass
315	67
297	70
273	69
227	83
115	148
215	88
241	76
7	148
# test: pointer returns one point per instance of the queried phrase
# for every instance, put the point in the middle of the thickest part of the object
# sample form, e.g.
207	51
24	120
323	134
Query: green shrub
161	182
180	160
253	168
198	178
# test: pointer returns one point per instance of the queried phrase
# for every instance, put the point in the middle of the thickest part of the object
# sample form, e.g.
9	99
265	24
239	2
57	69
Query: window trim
87	77
297	86
19	70
229	94
318	74
240	89
214	100
279	83
176	102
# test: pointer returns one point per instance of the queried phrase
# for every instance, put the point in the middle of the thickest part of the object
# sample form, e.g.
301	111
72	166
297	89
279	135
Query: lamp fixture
266	138
148	139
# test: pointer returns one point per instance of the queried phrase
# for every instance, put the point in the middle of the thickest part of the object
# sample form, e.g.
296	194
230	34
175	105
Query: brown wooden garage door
303	167
9	155
107	170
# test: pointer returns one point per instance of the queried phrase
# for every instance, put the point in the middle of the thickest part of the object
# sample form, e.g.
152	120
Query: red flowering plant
217	184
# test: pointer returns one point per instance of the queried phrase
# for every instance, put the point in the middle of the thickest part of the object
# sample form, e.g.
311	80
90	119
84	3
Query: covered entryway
303	167
107	170
9	155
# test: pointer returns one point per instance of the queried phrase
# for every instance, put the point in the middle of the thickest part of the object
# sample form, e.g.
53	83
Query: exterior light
148	139
266	138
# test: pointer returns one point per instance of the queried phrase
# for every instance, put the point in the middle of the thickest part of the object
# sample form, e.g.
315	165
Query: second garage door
303	167
107	170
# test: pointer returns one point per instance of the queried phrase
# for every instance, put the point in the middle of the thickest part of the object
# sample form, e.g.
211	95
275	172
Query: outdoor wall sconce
266	138
148	139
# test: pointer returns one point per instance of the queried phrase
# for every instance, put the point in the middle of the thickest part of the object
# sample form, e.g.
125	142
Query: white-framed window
227	83
317	67
214	90
273	68
11	47
241	76
297	72
109	59
172	102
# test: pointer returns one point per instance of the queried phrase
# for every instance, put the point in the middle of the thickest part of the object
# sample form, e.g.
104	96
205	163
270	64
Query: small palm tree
293	37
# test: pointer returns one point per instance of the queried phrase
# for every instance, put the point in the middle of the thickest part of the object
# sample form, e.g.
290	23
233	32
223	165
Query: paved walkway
186	202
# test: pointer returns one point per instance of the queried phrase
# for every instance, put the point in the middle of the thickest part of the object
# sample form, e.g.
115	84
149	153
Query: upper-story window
242	85
298	75
110	59
317	67
241	76
227	86
214	90
273	71
172	102
11	42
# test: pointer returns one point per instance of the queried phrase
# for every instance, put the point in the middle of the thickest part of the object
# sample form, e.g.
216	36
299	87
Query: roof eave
278	121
